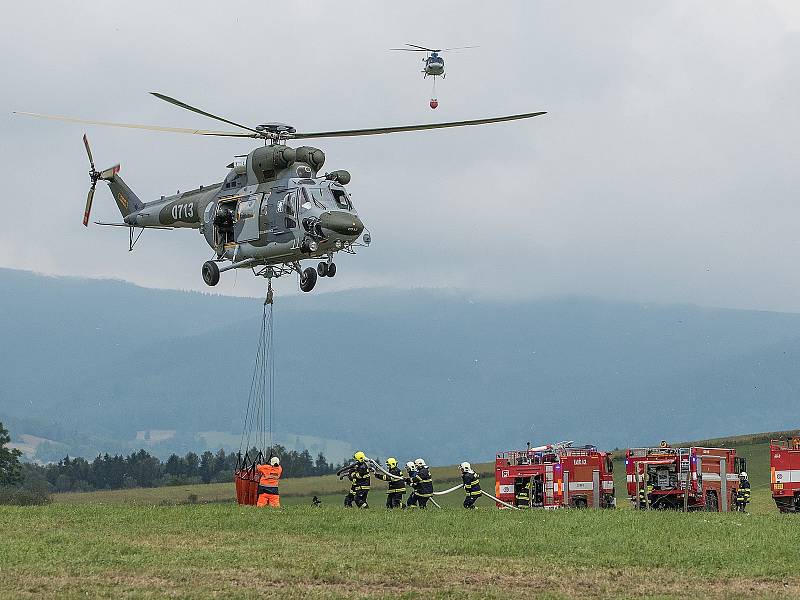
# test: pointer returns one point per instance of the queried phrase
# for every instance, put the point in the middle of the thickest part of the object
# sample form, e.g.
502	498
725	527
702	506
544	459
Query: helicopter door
247	213
282	215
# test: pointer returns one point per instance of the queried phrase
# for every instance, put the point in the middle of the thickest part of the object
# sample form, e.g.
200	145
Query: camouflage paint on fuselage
283	212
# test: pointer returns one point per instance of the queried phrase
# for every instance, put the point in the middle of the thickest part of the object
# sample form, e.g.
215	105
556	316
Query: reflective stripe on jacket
423	484
269	475
396	486
360	477
472	484
524	493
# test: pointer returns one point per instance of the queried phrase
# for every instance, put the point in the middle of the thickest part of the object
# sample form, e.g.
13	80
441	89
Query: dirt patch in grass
495	579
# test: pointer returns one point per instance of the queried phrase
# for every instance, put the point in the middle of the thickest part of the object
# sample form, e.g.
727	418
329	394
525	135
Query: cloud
666	169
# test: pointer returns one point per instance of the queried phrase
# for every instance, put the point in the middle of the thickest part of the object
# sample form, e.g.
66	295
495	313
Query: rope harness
257	440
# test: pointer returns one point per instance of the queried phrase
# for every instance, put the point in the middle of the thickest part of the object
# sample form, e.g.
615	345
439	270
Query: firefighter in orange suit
268	484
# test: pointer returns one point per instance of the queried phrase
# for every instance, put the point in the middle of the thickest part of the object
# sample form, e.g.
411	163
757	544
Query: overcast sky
666	169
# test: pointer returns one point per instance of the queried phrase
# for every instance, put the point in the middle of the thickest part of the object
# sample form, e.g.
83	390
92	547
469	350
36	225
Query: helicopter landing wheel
322	269
308	279
331	270
210	273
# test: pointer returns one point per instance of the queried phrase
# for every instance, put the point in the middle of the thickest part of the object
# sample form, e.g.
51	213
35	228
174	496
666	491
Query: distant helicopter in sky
433	64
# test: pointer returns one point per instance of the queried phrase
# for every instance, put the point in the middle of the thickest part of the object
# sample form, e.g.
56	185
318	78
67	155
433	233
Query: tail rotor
94	175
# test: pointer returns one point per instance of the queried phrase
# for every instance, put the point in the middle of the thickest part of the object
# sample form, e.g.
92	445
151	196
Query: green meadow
195	542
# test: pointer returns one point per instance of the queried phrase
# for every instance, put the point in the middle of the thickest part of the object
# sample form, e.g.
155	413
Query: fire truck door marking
608	485
507	489
504	474
792	476
580	486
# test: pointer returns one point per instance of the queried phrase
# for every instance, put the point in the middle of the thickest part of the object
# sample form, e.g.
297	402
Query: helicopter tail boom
126	200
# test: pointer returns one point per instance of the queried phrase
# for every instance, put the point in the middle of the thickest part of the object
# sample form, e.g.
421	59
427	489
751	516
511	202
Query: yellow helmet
391	462
359	456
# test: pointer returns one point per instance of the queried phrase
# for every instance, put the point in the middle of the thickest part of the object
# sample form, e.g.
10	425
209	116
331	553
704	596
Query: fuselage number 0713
183	211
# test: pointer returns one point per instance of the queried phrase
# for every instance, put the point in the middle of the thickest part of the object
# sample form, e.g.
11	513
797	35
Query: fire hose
376	466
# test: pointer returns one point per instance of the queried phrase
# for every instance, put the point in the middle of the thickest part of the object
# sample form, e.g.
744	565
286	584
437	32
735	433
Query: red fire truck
784	463
656	478
555	475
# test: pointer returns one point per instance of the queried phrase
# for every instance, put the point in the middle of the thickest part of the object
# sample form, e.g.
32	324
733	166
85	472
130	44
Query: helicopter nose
342	223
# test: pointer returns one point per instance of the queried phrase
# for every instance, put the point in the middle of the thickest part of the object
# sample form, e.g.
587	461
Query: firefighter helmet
743	475
410	466
466	467
419	462
274	461
391	462
359	456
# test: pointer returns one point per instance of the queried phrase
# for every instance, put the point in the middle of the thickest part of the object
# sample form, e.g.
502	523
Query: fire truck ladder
685	476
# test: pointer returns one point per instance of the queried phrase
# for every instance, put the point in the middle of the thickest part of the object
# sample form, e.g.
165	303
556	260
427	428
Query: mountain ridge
394	371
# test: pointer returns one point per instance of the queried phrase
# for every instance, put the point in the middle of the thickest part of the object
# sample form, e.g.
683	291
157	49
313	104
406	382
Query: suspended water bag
434	103
246	478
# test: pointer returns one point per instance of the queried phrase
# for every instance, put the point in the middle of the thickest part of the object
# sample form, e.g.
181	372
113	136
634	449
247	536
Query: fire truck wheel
580	503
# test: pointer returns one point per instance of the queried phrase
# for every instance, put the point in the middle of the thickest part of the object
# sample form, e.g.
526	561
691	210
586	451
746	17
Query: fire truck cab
656	478
784	463
554	476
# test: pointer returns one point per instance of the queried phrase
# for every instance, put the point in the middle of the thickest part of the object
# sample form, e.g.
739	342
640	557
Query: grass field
223	550
151	543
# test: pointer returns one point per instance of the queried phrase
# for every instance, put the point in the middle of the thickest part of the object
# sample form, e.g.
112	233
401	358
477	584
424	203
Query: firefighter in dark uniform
743	493
423	484
411	473
397	485
472	485
523	495
359	475
644	492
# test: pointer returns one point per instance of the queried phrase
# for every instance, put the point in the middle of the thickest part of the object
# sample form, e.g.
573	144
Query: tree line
141	469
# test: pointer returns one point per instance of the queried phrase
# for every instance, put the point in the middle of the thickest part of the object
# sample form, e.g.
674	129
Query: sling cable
256	443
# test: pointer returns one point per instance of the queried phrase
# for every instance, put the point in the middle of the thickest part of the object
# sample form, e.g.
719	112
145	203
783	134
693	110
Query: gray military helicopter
273	209
433	63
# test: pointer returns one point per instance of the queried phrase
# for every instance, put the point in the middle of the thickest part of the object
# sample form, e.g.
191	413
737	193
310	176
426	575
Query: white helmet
410	466
743	474
419	462
466	467
274	461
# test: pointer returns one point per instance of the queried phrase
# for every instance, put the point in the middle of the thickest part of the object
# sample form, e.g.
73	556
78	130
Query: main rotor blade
200	112
423	48
88	151
379	130
409	50
458	48
88	206
136	126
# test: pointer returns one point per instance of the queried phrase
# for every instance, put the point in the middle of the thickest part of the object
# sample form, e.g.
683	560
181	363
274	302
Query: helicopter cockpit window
342	201
286	204
310	196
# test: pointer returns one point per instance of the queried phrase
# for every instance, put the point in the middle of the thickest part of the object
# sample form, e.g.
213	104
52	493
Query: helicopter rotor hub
275	131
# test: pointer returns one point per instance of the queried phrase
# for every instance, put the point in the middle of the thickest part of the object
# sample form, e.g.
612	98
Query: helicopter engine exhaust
341	176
